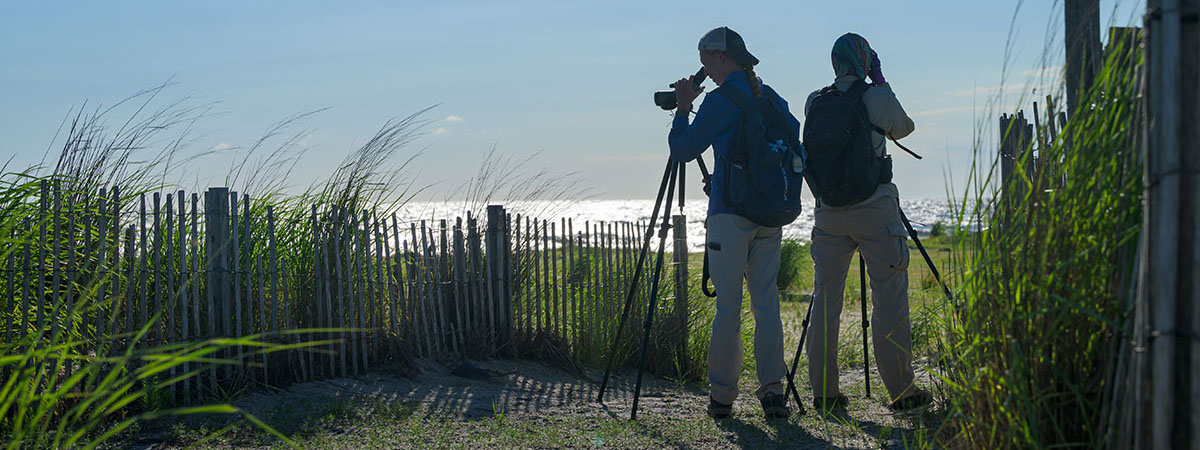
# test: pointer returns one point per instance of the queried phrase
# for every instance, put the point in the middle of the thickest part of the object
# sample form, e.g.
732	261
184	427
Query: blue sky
569	79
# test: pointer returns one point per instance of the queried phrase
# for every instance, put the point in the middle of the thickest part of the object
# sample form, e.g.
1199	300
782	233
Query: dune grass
1029	344
66	379
63	384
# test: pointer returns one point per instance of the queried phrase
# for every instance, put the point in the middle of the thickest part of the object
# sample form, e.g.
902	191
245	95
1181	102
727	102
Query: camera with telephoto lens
667	99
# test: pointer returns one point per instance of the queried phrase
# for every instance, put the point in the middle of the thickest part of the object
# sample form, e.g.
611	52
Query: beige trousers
872	226
740	248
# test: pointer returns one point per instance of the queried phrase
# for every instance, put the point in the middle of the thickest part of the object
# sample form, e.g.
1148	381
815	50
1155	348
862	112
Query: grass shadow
750	435
297	420
921	426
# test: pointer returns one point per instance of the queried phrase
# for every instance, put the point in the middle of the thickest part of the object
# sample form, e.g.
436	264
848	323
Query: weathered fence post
508	273
1165	353
443	276
497	302
235	256
216	263
12	282
1082	38
461	297
216	240
183	286
680	257
1016	139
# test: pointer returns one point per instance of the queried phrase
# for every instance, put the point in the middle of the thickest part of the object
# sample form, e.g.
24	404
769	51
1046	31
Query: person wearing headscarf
872	227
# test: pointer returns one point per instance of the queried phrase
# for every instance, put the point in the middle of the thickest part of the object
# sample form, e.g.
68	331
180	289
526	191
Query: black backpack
761	181
842	168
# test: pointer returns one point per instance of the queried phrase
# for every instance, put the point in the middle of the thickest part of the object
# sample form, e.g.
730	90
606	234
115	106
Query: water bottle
798	160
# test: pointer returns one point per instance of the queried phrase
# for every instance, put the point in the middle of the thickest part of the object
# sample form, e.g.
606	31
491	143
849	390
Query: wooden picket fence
351	290
1021	141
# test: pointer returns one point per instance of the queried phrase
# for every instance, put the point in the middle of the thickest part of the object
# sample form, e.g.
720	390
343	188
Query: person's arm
885	112
688	141
883	109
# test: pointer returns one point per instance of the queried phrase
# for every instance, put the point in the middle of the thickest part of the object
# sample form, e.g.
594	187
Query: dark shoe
718	410
775	406
828	403
919	399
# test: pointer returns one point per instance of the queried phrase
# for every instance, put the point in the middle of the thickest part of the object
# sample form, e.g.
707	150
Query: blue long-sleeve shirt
715	125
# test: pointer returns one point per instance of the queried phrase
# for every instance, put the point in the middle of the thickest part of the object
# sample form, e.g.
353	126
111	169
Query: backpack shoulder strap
831	89
767	91
739	98
857	89
856	92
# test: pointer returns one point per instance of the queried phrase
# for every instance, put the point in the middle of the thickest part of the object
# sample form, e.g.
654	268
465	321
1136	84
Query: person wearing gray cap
737	247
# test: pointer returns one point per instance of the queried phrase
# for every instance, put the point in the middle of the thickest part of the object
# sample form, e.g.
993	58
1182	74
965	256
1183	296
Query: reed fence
341	292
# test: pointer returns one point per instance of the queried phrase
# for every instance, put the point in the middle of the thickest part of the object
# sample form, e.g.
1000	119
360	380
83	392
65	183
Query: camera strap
704	276
884	133
894	141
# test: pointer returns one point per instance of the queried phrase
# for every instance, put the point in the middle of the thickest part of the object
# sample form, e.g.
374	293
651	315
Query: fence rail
353	290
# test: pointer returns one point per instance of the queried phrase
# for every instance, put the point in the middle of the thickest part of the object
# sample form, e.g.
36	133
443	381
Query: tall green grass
65	382
1030	339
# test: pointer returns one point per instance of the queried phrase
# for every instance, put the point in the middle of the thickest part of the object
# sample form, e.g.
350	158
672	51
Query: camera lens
666	100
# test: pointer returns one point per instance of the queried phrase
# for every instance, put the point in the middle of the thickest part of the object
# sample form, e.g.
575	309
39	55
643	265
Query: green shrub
791	260
938	229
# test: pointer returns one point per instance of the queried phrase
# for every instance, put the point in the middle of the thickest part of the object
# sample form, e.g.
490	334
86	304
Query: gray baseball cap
729	42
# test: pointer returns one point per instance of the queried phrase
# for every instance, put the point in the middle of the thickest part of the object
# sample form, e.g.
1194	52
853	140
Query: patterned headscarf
851	56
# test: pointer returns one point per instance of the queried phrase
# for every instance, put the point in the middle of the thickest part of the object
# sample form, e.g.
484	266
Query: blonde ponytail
755	83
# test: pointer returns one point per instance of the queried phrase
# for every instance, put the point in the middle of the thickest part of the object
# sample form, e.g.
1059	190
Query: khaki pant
872	226
738	247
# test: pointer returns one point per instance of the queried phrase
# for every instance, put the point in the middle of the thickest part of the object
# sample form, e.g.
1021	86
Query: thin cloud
221	146
943	111
441	130
1034	79
1045	72
990	90
641	157
453	118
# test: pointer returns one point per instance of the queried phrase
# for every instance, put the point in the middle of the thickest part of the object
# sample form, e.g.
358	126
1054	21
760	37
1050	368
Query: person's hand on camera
684	93
876	73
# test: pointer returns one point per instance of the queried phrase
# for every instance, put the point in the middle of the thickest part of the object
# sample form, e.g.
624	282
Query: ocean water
922	212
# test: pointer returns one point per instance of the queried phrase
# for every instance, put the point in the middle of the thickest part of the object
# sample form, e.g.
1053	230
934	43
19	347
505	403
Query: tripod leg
791	387
658	263
668	177
862	279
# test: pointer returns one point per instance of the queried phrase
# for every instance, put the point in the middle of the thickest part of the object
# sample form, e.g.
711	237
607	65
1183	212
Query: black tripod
667	188
674	172
862	274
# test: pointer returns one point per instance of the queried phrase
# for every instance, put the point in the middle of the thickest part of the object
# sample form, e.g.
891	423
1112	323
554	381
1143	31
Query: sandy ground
535	395
529	391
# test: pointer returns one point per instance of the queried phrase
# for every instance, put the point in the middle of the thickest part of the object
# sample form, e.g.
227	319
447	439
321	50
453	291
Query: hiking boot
775	406
919	399
828	403
718	410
